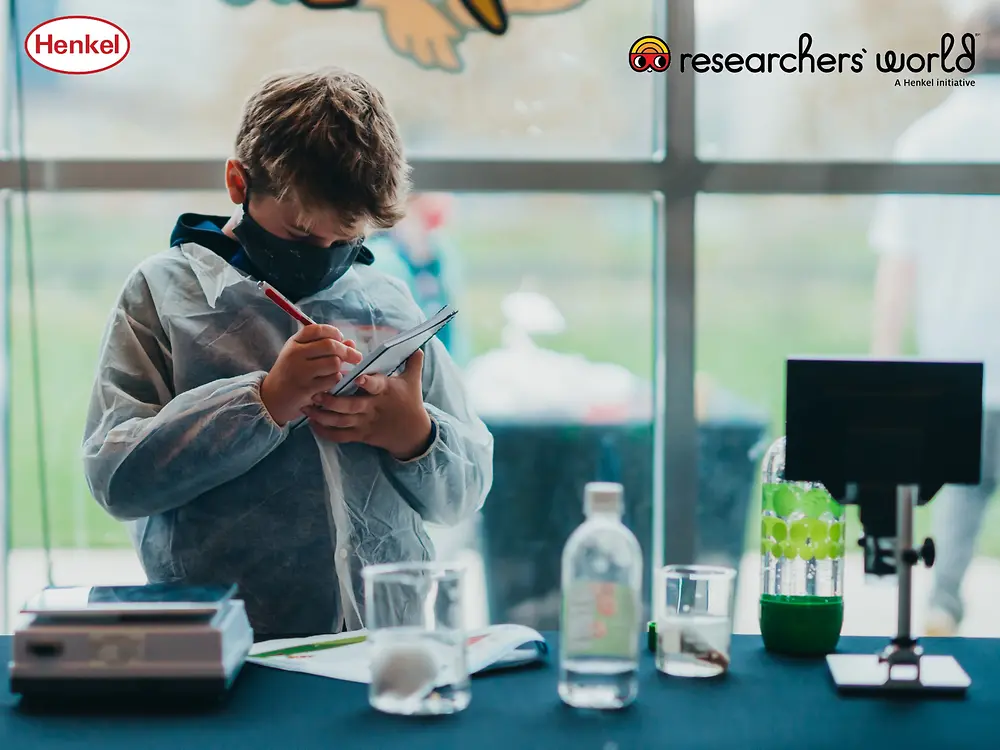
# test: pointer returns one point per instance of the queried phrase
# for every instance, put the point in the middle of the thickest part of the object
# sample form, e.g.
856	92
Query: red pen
284	303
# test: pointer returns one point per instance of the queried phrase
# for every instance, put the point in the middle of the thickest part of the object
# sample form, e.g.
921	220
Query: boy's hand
309	362
390	414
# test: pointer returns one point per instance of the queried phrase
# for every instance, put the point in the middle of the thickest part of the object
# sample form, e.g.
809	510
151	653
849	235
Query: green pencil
307	647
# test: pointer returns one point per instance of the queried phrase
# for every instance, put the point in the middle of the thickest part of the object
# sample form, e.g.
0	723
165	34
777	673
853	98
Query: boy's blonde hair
326	139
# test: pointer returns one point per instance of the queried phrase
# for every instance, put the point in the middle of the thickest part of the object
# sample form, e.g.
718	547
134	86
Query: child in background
211	432
416	252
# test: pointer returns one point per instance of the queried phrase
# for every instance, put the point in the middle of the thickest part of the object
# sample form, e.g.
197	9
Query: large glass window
557	85
782	276
848	115
555	336
556	281
573	283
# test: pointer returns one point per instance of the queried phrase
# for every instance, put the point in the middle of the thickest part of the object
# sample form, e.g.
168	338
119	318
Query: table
765	702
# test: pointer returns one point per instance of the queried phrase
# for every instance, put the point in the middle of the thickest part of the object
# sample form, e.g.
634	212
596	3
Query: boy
211	432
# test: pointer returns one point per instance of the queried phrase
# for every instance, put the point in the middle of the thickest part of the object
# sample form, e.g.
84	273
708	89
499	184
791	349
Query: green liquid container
801	563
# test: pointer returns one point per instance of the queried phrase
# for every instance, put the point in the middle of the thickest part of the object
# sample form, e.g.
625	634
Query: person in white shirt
939	260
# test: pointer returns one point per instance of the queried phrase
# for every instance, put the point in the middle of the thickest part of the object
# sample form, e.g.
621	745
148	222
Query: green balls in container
780	531
798	531
836	531
786	500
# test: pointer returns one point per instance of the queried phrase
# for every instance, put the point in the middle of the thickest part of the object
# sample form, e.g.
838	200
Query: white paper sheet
347	656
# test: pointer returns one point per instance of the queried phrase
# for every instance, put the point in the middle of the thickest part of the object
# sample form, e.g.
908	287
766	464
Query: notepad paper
347	656
388	357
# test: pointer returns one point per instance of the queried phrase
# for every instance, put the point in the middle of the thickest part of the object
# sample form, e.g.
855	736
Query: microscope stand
901	667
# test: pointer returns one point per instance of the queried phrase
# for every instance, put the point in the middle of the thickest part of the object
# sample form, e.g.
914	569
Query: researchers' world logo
77	45
953	56
649	54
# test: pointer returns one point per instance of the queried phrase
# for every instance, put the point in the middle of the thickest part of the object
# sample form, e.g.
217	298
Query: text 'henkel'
86	46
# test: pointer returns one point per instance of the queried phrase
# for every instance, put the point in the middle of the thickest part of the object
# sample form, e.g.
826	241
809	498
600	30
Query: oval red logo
77	45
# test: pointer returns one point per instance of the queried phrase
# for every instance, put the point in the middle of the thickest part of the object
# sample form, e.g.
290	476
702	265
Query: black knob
911	557
927	552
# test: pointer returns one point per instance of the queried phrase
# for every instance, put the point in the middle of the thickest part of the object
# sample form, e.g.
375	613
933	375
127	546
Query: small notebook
387	358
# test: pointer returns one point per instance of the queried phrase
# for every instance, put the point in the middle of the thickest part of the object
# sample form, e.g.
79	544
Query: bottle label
601	619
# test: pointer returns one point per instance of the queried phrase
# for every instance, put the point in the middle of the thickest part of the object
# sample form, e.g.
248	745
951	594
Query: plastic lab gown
179	445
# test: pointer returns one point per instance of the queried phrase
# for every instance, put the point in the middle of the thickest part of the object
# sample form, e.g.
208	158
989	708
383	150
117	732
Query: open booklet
347	656
387	358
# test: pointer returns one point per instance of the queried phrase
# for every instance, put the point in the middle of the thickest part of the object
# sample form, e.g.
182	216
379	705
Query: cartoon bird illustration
429	31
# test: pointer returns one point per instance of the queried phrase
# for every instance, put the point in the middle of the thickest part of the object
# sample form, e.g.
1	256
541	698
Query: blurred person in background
939	262
417	252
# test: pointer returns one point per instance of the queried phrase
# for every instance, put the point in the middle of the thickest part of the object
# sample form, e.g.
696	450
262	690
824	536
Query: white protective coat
179	445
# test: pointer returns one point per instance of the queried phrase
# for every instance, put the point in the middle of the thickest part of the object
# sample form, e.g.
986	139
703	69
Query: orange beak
490	14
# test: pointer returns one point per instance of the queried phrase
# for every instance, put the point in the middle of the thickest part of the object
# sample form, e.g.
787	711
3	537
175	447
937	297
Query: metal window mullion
849	178
6	327
676	465
6	511
641	177
458	176
678	174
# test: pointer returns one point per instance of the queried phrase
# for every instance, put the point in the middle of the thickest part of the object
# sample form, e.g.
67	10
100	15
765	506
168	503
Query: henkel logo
77	45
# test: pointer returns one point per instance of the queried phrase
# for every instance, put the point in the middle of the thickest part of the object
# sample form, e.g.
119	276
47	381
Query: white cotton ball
404	671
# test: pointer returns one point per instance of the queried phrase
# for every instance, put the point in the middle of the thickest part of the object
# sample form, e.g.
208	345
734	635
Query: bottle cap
603	497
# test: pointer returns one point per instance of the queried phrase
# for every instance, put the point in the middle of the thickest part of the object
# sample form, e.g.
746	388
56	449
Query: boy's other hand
389	414
310	361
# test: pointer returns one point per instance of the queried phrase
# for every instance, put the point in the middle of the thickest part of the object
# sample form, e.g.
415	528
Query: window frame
673	177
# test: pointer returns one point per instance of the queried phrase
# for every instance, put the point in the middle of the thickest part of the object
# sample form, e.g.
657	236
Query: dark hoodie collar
206	231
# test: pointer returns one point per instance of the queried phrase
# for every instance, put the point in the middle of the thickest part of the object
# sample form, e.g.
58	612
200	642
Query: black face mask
295	268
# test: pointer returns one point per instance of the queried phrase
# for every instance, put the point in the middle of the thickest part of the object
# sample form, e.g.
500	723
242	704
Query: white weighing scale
155	641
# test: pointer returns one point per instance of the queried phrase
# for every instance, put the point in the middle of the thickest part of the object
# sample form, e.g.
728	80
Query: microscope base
867	673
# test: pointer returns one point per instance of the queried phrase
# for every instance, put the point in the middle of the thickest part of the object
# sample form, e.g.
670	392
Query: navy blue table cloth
765	703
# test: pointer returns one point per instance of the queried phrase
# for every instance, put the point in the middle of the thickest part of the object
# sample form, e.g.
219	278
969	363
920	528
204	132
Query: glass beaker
416	631
693	606
801	561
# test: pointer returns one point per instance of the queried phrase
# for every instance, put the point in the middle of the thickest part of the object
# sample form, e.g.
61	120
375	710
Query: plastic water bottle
601	613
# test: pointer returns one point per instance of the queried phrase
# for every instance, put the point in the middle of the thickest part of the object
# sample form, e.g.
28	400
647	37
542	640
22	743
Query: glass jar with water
802	562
